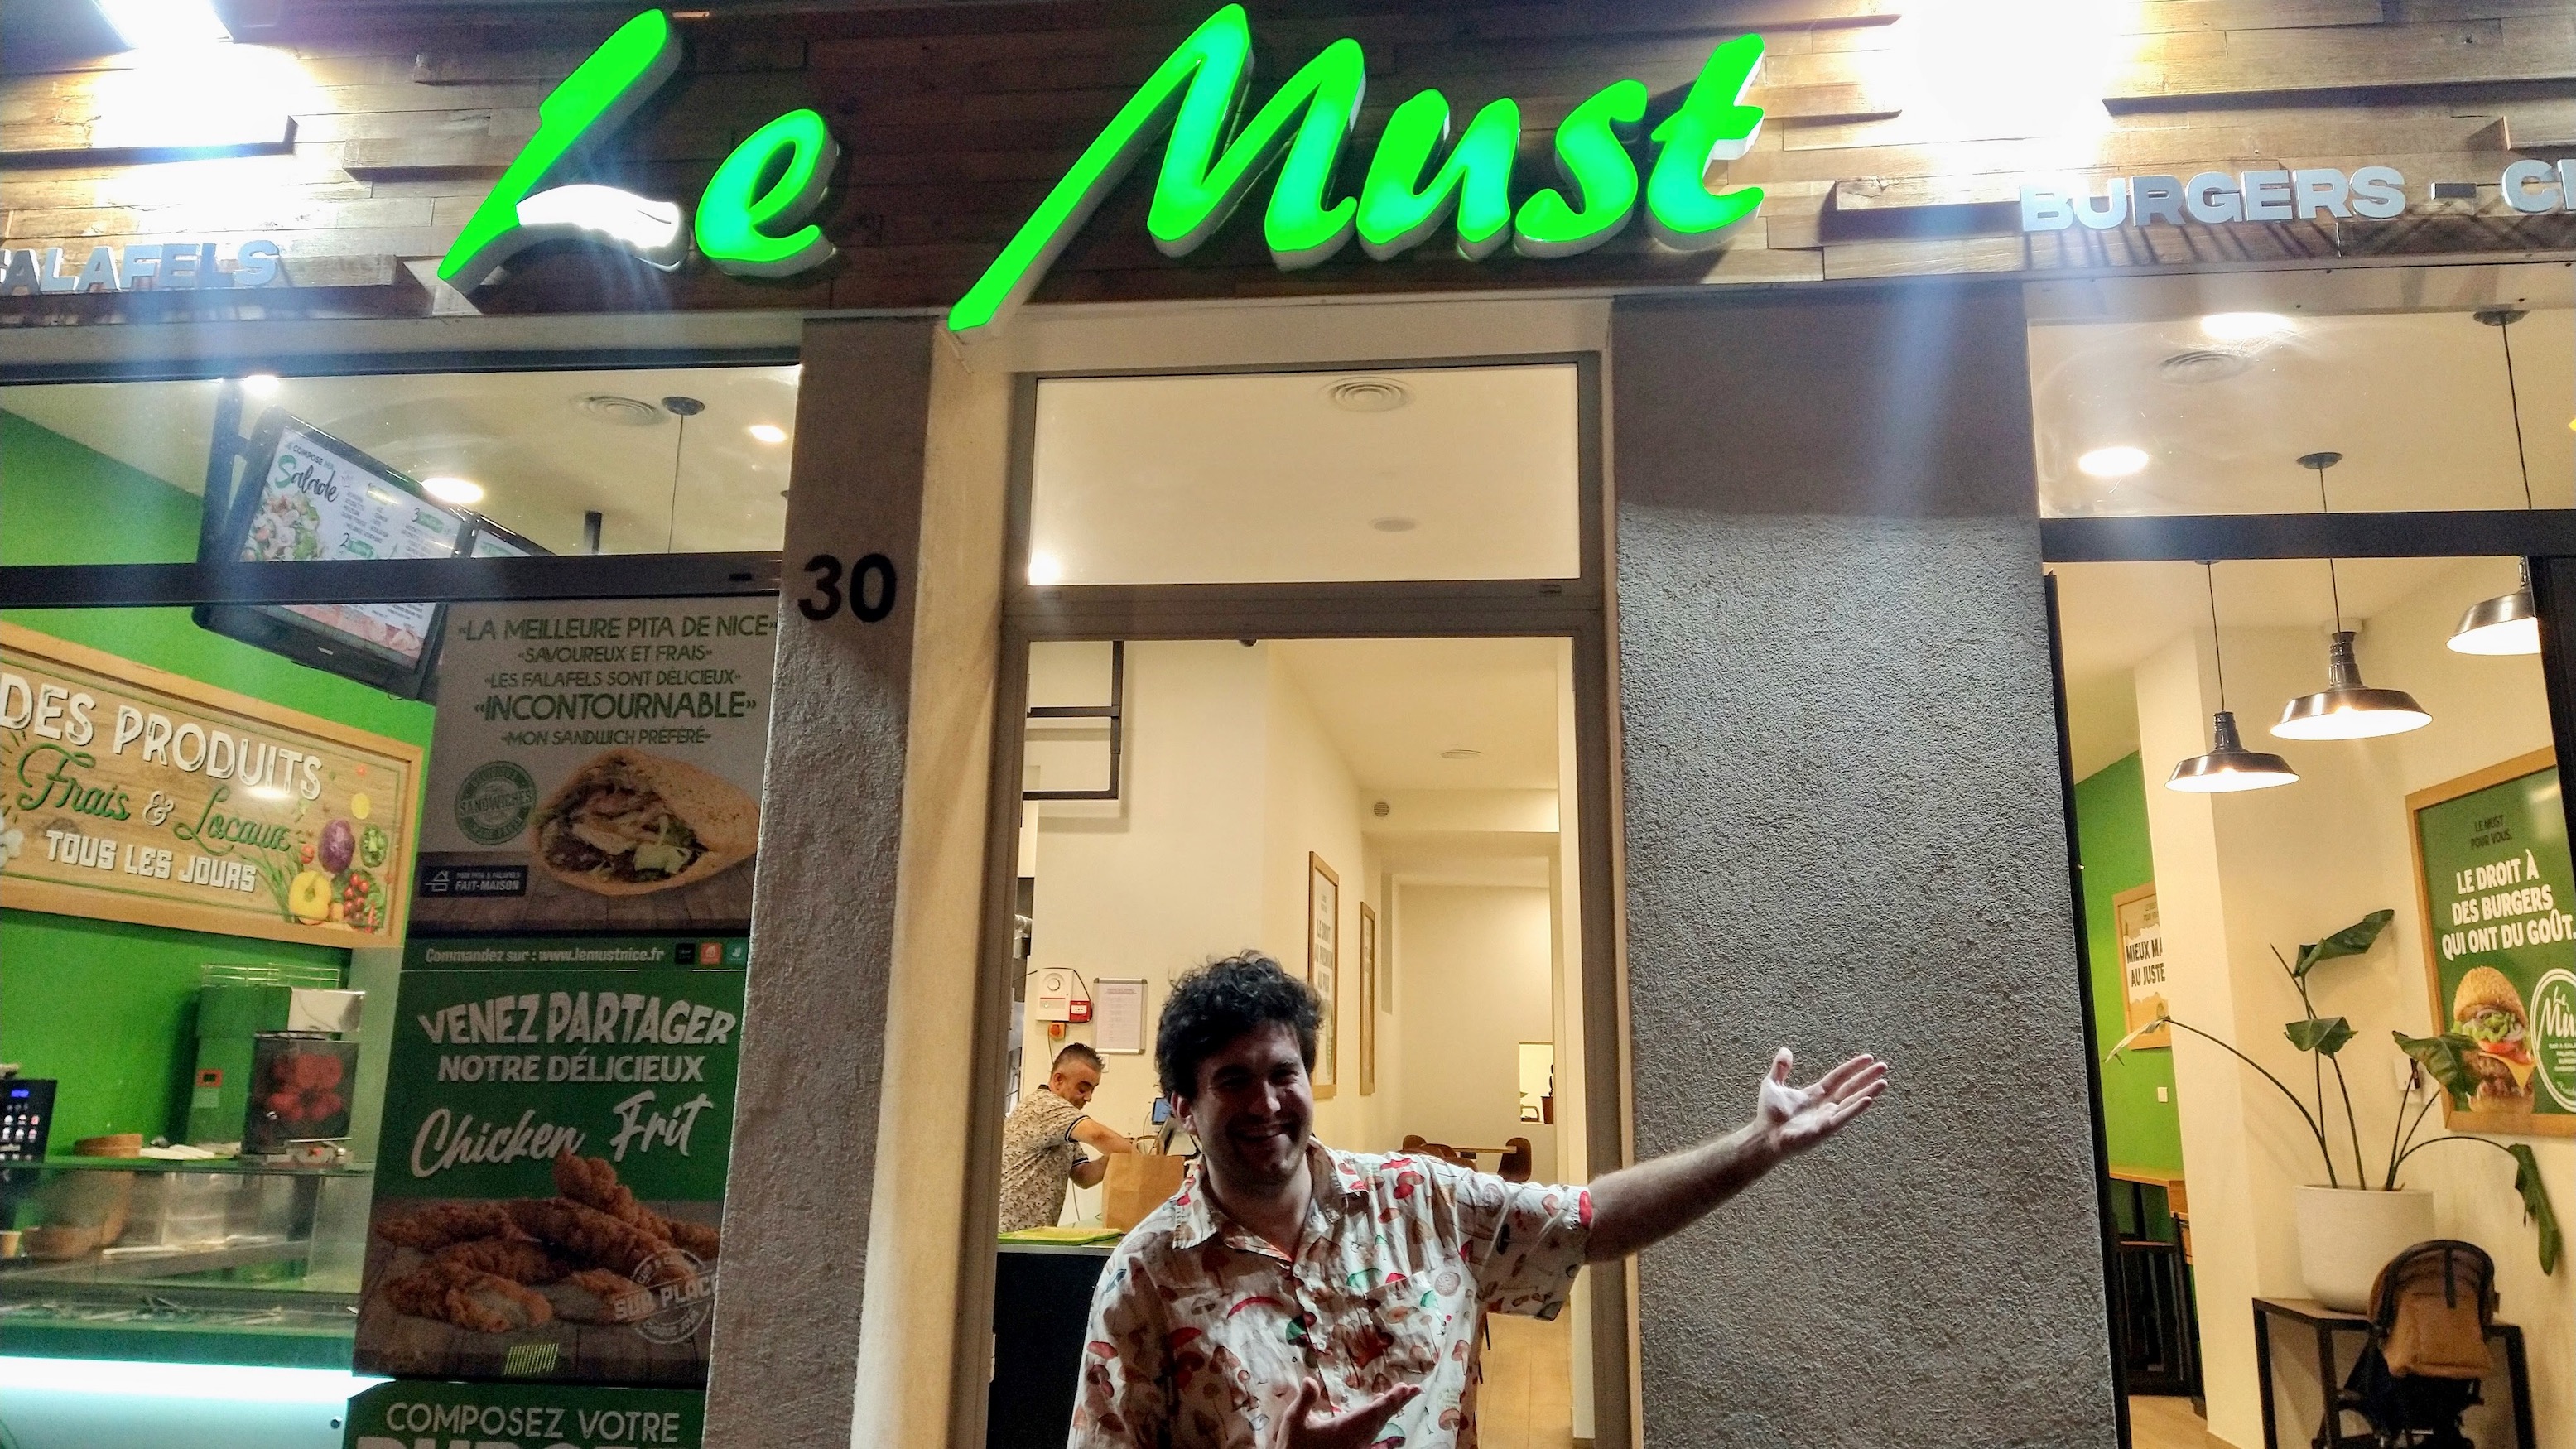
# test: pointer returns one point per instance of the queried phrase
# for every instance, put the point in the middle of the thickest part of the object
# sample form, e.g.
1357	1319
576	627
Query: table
2326	1323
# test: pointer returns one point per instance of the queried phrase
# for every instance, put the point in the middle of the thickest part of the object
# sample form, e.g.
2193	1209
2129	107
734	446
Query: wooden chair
1515	1166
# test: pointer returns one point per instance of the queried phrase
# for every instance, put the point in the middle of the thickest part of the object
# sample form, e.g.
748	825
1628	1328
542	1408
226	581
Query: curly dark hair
1211	1006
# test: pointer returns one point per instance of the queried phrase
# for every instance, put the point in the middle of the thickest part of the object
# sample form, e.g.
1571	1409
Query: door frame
1577	609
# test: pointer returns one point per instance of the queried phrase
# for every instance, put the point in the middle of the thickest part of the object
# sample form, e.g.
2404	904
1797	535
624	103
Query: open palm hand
1798	1118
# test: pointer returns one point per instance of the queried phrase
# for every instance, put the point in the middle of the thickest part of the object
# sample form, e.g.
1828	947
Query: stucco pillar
1844	833
798	1192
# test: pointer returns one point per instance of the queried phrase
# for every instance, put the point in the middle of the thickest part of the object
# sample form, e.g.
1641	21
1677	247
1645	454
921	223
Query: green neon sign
750	222
753	218
1195	92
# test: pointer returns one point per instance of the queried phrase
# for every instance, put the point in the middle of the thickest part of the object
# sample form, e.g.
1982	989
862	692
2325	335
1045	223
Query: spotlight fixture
2117	461
463	492
2346	709
163	24
2507	623
2243	326
770	433
260	384
2229	767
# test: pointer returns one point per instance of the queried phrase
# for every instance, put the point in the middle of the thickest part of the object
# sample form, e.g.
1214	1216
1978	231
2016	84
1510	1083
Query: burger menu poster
2499	898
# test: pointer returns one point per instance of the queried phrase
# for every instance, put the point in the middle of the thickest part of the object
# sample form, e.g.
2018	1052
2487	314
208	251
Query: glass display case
211	1260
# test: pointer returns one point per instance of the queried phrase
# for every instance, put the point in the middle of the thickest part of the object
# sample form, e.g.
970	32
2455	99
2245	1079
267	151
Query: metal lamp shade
2505	624
2230	767
2347	709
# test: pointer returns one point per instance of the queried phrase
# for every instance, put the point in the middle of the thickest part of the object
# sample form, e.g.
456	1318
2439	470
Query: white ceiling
2416	402
541	455
1258	478
2112	615
1391	707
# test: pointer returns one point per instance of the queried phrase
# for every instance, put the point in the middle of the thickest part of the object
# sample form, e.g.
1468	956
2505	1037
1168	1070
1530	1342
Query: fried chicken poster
550	1188
597	766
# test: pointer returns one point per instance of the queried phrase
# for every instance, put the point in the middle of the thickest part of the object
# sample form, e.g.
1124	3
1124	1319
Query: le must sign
754	218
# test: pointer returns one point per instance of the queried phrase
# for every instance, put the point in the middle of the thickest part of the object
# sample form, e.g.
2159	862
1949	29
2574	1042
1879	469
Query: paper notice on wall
597	766
1118	1015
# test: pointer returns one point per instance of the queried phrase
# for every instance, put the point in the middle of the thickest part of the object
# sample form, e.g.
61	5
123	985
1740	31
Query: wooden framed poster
2141	936
1323	966
2493	876
1368	999
129	793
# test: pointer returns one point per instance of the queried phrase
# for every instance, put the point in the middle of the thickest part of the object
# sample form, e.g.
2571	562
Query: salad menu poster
2500	907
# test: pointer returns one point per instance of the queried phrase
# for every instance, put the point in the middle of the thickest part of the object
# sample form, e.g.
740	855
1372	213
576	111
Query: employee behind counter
1043	1138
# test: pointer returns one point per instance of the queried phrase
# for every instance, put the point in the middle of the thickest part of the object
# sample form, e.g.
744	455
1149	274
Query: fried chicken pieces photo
592	1182
485	1260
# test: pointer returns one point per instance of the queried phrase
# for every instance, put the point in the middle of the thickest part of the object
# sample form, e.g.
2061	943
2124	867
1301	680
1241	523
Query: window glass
2162	401
1429	473
679	460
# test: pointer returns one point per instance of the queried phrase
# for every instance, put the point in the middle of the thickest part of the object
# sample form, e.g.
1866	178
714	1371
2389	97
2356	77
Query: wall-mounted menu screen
311	498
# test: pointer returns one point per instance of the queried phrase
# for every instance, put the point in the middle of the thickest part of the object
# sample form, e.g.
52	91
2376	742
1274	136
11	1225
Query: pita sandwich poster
596	766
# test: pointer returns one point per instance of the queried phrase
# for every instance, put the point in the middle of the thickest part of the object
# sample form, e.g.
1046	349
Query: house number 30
871	587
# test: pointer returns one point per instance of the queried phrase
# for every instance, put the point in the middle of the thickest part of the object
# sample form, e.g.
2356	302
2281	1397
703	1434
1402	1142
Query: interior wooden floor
1527	1401
2159	1422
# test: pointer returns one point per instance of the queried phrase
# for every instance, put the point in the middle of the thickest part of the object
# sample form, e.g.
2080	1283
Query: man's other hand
1310	1426
1797	1118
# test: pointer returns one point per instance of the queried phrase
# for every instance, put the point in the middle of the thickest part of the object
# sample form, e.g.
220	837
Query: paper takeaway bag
1137	1183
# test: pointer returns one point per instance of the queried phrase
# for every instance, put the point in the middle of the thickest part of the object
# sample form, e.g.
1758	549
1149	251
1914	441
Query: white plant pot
2347	1235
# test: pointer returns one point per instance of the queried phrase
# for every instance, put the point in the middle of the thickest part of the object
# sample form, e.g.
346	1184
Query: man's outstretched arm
1644	1204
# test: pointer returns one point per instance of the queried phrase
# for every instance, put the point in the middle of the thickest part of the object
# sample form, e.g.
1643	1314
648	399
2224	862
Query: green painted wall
2111	840
109	1008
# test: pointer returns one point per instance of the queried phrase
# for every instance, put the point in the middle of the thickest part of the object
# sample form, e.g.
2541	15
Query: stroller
2430	1310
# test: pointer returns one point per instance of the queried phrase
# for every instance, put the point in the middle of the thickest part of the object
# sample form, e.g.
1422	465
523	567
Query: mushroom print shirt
1201	1331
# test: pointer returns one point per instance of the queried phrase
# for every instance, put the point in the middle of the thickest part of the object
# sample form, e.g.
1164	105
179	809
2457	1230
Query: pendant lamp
2346	709
2507	623
2229	766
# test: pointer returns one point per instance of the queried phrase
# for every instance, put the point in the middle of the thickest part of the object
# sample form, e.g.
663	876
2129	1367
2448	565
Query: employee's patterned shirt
1038	1157
1201	1331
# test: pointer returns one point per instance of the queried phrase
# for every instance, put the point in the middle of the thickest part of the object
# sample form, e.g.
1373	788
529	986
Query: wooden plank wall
360	138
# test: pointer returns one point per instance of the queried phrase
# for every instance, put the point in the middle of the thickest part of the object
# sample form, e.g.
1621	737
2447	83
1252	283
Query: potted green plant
2347	1230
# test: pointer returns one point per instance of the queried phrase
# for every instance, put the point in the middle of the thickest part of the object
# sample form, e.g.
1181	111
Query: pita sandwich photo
630	823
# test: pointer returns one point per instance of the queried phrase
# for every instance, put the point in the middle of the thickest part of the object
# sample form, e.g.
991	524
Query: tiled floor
1527	1401
2158	1422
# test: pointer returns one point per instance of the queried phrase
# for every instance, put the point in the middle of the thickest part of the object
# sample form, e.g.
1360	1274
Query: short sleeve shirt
1201	1331
1038	1157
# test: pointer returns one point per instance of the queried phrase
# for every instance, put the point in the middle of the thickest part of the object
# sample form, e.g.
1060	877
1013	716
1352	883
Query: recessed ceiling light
1393	523
155	24
260	384
2243	326
1461	754
1045	568
447	488
767	433
2117	461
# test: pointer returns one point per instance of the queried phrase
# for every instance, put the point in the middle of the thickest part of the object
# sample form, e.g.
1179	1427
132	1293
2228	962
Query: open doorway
1388	818
1309	664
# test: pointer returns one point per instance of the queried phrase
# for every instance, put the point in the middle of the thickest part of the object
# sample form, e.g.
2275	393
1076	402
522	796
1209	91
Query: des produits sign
132	794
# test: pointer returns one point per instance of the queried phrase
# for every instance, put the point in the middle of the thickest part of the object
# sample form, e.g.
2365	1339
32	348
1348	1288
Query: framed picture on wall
1323	966
2141	934
1368	999
2493	873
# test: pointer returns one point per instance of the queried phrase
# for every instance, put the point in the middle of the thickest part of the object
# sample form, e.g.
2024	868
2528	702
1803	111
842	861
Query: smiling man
1289	1296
